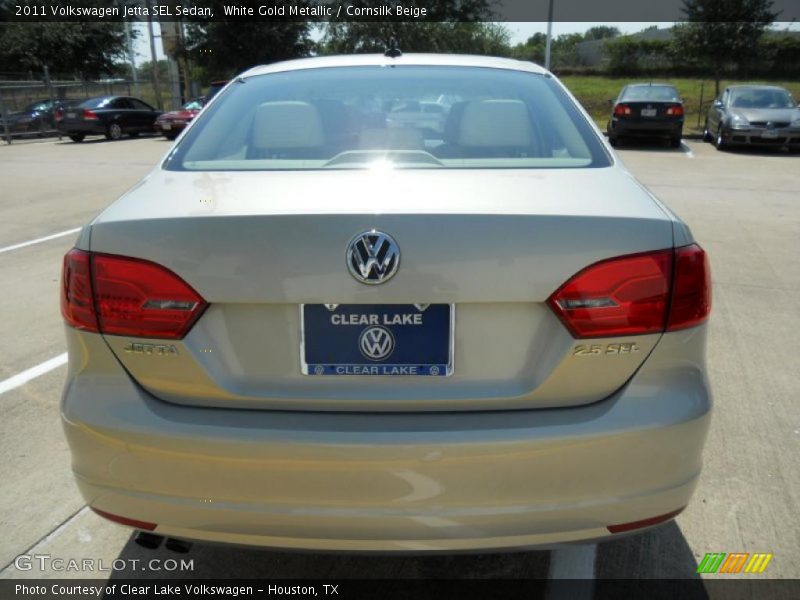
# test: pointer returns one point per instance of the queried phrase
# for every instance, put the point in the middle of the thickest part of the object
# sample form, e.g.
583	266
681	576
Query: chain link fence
28	105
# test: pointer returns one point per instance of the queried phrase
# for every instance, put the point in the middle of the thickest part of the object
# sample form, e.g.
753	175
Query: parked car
37	117
310	328
170	124
112	116
762	115
647	110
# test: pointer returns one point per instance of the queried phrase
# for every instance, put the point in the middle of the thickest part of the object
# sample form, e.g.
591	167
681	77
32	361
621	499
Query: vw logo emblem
376	343
373	257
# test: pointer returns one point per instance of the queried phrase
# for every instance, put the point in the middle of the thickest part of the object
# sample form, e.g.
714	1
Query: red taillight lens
59	115
621	296
622	110
77	301
675	111
90	115
691	295
636	294
142	299
147	526
131	297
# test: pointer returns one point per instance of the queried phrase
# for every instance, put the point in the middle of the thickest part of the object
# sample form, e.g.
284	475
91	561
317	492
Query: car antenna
392	51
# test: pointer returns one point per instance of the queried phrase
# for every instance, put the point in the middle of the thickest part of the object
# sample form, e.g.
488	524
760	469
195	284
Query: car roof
361	60
741	86
650	84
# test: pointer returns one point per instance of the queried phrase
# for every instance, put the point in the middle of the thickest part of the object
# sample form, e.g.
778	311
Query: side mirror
717	104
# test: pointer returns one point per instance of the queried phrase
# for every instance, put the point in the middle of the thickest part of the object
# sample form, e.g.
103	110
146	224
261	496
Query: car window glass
761	98
139	105
121	103
652	93
95	103
406	117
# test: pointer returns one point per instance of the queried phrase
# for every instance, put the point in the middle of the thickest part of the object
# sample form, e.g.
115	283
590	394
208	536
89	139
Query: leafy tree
223	48
722	33
450	26
533	49
457	37
145	70
601	32
86	50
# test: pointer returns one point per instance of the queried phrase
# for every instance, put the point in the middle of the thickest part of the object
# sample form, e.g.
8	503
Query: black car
647	110
112	116
37	117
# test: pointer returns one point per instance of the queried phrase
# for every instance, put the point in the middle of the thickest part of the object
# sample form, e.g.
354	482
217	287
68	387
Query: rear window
95	102
651	93
401	116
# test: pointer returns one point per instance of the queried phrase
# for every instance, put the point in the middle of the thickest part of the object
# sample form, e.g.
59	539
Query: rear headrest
287	124
495	123
390	139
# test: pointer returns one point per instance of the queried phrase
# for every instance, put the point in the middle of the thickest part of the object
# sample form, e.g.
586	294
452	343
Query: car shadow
237	562
660	560
765	150
650	145
661	554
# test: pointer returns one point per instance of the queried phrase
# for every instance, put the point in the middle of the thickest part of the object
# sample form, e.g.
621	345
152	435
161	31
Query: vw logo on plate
373	257
376	343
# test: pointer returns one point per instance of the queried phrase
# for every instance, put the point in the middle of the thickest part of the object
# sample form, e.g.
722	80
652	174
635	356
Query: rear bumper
88	128
389	482
644	128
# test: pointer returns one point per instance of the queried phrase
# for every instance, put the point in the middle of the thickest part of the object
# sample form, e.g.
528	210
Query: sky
519	32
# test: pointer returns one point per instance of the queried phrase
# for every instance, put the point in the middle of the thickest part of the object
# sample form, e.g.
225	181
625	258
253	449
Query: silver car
313	326
762	115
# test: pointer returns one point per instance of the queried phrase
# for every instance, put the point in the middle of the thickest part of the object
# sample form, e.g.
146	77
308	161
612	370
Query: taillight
622	110
59	115
691	290
636	294
675	111
90	115
77	301
129	296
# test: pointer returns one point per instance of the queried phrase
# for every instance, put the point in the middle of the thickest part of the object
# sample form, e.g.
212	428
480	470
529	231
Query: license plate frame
70	115
436	354
769	134
649	112
166	126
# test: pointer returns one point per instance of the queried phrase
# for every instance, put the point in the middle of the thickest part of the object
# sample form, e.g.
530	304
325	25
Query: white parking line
22	378
687	150
46	238
570	563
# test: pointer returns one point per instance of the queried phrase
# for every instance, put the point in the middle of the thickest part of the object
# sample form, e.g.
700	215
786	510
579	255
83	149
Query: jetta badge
373	257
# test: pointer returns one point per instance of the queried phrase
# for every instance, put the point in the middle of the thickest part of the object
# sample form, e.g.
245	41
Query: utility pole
131	57
154	62
549	35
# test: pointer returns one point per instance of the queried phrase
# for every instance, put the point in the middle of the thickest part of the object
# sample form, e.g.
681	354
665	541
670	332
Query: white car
311	327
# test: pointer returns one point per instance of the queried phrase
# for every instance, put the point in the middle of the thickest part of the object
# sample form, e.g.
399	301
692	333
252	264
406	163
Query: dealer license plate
377	339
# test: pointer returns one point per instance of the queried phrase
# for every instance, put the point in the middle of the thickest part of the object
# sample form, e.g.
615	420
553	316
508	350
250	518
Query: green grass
597	94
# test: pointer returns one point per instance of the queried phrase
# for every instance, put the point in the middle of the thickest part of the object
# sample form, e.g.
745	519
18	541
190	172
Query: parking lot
743	207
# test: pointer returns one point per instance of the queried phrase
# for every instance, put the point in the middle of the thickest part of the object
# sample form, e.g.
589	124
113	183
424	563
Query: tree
601	32
722	33
421	36
449	26
533	49
223	48
86	50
